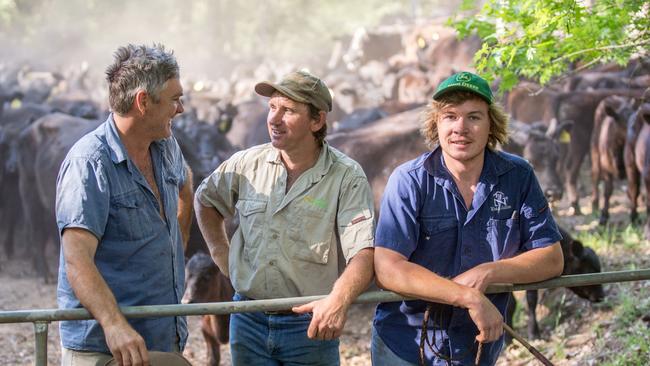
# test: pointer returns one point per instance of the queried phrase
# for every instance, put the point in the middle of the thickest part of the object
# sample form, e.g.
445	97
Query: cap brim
462	88
267	88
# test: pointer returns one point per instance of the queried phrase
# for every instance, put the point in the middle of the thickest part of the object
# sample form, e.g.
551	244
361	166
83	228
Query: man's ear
318	124
141	101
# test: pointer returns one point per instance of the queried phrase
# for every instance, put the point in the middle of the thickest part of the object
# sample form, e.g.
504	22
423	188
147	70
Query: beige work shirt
293	244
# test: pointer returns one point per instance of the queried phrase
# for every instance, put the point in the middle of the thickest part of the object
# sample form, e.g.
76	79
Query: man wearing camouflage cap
305	210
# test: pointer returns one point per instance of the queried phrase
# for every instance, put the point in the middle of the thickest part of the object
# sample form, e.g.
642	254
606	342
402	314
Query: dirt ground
21	289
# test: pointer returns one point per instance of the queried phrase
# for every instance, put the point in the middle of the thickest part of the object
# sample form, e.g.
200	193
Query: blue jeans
274	340
381	355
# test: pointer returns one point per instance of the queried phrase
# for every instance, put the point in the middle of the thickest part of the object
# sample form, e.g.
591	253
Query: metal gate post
40	348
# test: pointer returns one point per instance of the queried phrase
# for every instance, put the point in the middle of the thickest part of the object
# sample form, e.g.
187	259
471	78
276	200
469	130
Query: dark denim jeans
274	340
381	355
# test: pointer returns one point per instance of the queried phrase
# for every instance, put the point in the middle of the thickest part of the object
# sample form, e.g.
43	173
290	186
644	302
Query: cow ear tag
16	103
565	137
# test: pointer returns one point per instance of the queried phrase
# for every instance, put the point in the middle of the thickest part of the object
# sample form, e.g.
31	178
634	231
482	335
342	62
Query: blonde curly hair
498	118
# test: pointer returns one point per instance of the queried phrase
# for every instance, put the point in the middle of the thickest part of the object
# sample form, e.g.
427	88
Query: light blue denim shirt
139	255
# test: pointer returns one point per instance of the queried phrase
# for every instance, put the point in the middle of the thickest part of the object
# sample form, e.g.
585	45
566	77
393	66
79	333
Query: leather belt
281	312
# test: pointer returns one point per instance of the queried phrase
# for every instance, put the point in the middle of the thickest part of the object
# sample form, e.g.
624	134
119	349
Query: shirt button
272	263
274	236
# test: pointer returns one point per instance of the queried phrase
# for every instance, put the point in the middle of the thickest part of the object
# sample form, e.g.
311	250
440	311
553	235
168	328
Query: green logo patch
320	203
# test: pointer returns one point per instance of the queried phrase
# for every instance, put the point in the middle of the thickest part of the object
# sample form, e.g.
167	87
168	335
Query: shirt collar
320	168
117	149
494	165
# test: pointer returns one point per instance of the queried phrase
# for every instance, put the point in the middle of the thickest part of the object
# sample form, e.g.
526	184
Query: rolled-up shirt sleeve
82	196
355	217
221	188
398	227
538	227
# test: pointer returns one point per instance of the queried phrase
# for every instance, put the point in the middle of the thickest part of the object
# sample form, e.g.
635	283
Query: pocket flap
250	207
128	200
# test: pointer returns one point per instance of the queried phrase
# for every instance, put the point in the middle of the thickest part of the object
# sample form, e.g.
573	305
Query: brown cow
579	108
205	283
529	102
637	157
607	143
366	46
382	145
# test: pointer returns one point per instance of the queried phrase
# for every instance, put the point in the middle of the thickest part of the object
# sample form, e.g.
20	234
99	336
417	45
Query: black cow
204	148
578	259
12	122
249	126
205	283
540	146
41	149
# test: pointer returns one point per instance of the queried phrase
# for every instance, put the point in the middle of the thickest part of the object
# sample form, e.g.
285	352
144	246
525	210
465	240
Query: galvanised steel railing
42	318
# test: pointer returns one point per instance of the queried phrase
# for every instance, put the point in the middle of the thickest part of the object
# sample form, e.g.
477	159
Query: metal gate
42	318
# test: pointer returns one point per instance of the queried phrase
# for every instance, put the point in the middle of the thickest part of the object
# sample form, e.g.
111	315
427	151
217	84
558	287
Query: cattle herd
381	80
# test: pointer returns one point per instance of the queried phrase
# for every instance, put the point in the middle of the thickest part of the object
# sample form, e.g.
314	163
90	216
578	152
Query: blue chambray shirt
139	255
423	217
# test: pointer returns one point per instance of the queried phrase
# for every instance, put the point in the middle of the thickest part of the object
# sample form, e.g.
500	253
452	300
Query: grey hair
138	68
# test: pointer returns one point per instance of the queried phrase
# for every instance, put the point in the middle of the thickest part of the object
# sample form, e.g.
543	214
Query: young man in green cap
452	222
305	211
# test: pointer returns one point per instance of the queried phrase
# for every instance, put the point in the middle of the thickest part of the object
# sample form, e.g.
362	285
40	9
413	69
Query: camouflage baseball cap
300	86
468	82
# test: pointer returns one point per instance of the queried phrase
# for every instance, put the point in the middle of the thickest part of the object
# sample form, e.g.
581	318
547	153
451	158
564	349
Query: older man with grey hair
123	208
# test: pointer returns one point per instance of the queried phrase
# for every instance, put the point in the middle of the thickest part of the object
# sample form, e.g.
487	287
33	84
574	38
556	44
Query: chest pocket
251	224
438	237
311	236
504	237
128	220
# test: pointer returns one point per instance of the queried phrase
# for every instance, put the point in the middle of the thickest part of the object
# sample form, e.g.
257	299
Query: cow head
200	286
579	259
543	154
541	149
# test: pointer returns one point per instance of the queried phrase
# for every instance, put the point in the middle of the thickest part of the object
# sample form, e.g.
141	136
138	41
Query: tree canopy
542	39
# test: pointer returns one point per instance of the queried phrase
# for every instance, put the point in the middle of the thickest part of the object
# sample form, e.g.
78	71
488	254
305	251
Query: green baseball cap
465	81
300	86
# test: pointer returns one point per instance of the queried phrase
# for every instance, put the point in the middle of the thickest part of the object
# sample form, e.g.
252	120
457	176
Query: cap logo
464	77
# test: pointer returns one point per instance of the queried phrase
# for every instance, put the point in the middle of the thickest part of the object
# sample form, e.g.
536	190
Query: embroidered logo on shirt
358	219
316	202
500	202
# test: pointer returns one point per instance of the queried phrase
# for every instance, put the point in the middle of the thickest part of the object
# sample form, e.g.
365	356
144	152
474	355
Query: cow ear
561	132
577	248
610	111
